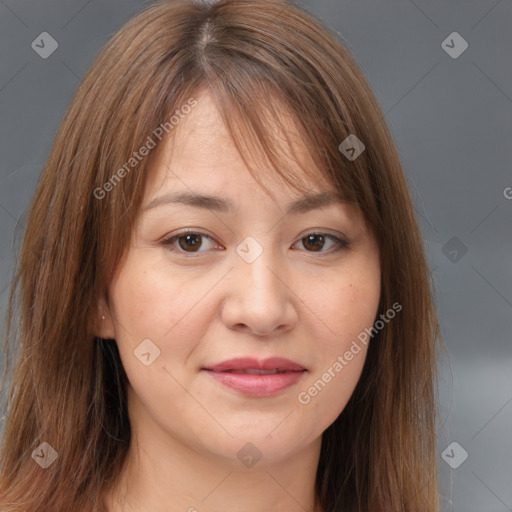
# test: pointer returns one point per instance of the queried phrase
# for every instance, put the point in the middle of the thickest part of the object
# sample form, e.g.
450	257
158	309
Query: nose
258	297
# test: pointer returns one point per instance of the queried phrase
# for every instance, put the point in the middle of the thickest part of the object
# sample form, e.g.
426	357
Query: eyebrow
302	205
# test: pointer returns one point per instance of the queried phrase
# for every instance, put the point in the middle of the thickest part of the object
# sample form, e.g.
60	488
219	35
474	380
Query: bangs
267	127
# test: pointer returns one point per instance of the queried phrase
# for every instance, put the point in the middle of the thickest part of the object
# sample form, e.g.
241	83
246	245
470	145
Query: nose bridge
257	297
258	268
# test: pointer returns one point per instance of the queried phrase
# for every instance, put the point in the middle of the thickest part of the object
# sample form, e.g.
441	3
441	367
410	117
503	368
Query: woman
223	297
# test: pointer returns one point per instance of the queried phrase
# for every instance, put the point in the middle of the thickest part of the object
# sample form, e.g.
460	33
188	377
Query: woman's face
248	283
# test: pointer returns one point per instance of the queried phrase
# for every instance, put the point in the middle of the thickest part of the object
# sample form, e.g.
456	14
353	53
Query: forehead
200	151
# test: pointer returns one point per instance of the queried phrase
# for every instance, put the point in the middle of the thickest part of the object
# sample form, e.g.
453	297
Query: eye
188	241
191	242
315	242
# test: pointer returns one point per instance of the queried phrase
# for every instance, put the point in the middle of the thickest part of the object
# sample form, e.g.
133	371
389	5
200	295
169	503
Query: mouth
255	371
256	378
251	364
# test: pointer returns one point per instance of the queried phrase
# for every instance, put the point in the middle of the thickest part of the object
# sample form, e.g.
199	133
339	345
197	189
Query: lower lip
257	385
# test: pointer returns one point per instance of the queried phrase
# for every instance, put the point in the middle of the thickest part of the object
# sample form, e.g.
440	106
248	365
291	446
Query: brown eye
315	242
190	242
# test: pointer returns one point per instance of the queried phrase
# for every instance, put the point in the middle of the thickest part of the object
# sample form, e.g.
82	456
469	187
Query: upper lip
250	363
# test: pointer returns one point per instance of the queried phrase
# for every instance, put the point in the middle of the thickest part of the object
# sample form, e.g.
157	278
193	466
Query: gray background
451	119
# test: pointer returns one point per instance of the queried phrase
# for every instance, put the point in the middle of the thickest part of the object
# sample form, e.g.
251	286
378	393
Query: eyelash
168	242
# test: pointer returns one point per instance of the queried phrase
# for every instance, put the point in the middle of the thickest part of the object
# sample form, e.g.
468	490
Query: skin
207	305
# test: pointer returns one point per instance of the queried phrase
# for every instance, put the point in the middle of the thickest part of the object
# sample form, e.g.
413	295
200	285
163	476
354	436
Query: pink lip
253	384
246	363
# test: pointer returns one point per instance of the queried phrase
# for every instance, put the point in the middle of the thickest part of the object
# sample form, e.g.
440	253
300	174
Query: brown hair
68	387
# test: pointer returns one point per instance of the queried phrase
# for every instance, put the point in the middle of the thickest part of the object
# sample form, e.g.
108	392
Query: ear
102	324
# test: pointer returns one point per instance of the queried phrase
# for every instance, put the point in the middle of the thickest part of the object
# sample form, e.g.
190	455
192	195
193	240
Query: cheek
148	303
168	308
152	303
347	305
